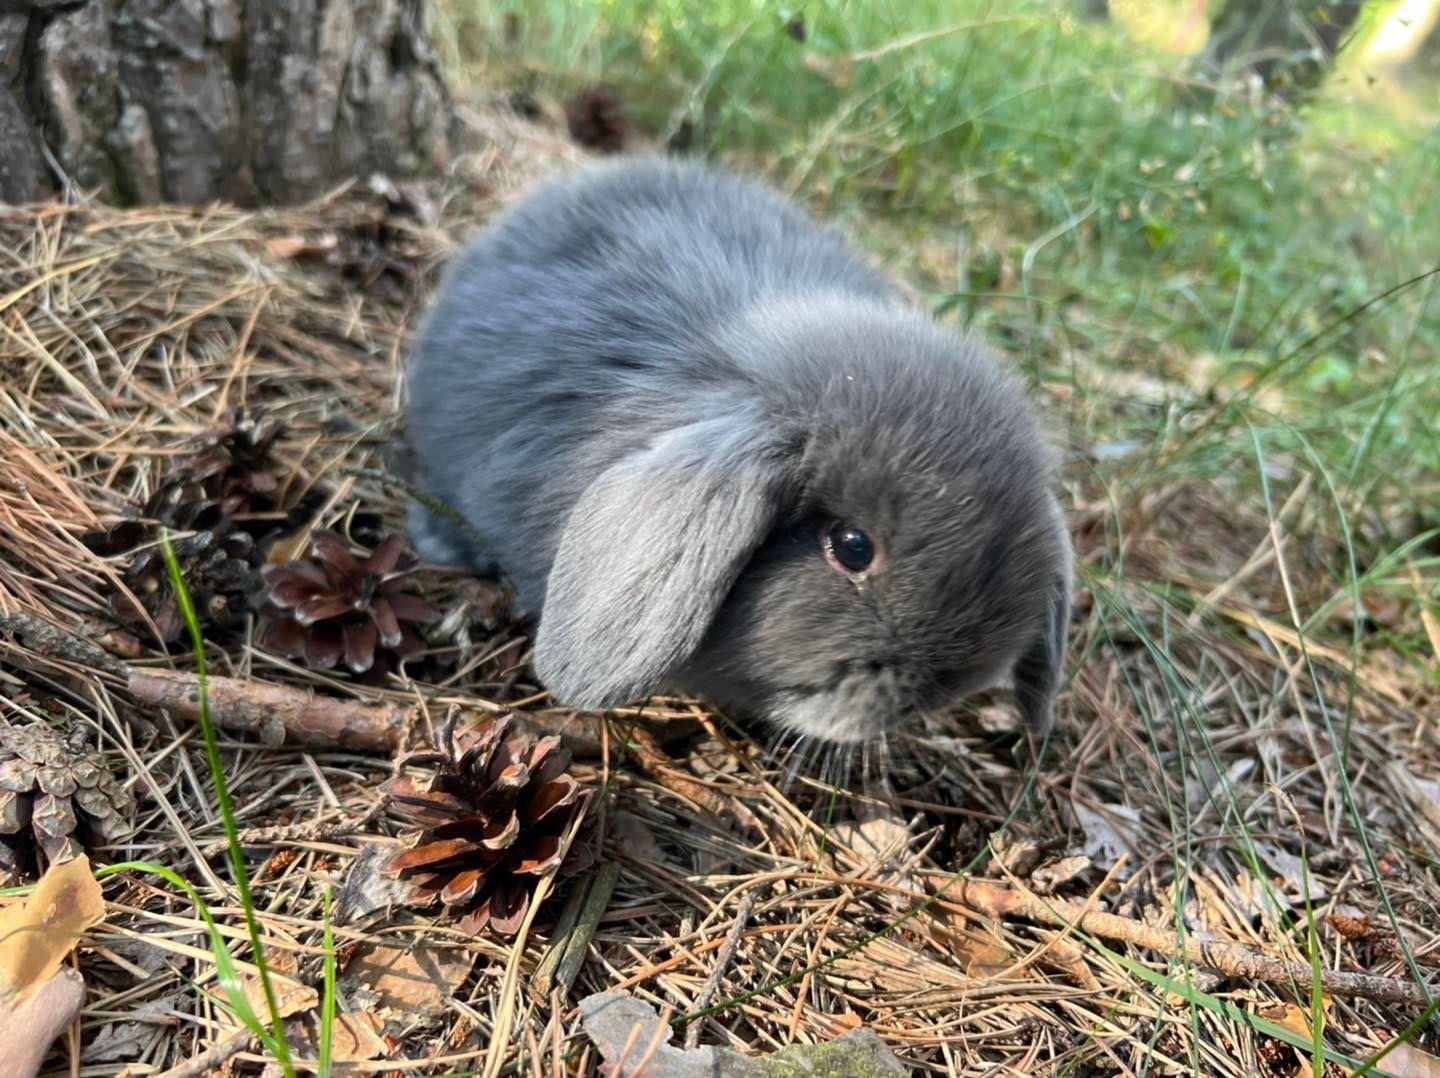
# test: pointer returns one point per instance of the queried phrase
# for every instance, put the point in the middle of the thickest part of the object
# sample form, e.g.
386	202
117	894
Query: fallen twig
48	639
644	748
279	713
722	963
544	977
209	1061
597	901
1233	959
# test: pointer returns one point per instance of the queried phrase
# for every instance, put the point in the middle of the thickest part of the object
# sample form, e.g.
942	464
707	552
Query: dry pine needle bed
1166	839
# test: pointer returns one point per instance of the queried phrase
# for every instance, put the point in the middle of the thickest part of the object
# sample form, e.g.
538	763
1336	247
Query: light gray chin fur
821	716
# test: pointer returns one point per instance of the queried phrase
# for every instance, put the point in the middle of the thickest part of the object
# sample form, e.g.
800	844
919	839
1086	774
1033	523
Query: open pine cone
54	795
336	606
498	811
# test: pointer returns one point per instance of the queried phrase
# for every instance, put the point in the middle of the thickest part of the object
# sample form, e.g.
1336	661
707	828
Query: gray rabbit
717	454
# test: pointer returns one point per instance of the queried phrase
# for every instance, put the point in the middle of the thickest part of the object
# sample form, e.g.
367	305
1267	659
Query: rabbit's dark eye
847	548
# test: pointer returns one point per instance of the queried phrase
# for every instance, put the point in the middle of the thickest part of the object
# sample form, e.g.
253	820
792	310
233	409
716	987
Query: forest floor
1225	861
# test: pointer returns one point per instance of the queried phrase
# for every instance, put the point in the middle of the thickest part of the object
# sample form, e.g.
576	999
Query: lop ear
1041	667
649	553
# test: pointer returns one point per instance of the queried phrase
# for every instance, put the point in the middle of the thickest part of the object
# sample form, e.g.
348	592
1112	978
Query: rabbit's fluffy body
651	386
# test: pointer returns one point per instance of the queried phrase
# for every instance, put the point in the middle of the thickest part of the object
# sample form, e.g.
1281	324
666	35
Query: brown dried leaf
1053	875
357	1038
36	933
982	954
299	246
1297	1020
1411	1062
417	979
1015	856
291	996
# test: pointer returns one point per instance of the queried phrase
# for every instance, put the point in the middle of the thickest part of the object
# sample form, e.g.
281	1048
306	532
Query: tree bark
193	100
1290	44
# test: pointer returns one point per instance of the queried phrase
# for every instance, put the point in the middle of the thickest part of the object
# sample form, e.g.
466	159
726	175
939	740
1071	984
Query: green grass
273	1038
1066	190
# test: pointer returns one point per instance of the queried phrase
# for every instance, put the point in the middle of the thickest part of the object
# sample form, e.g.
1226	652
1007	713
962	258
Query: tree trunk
1290	44
192	100
1425	63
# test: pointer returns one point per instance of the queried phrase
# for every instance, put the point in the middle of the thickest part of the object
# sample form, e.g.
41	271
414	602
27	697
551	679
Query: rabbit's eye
846	548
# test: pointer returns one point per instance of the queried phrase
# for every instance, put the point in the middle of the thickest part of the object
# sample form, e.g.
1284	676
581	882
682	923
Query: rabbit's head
864	530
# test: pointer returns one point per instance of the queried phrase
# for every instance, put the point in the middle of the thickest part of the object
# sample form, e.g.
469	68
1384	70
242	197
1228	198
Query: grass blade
227	809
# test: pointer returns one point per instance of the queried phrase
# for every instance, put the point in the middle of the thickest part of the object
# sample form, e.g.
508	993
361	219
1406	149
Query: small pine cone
55	795
596	119
497	811
220	565
336	606
236	468
177	505
220	574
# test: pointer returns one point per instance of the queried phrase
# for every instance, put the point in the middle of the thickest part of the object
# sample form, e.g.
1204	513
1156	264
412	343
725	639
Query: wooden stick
644	748
276	714
597	901
544	977
722	963
1233	959
48	639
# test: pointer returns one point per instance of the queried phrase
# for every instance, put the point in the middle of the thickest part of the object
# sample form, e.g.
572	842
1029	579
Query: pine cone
55	795
236	469
496	813
337	606
220	565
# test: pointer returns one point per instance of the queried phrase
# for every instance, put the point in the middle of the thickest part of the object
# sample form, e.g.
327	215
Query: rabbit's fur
650	385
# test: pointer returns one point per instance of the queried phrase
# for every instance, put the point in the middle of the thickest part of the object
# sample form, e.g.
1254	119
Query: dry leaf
37	933
1016	856
627	1030
1053	875
1410	1062
119	1042
1290	872
843	1023
357	1038
37	998
418	979
636	837
881	843
981	958
291	997
1111	832
368	888
1296	1020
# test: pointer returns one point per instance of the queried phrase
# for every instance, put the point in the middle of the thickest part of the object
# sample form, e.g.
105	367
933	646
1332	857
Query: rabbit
718	454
